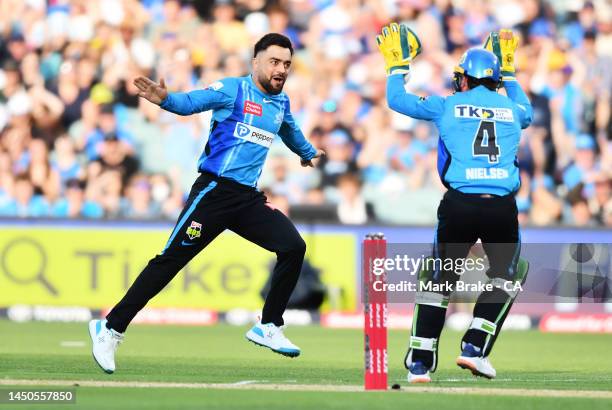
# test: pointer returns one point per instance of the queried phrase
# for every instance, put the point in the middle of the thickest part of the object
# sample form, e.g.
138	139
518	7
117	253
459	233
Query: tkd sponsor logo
469	111
483	113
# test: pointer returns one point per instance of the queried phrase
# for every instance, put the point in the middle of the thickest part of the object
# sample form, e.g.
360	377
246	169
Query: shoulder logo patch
217	85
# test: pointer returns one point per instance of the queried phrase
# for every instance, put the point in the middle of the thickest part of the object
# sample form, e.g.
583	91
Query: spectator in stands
65	161
74	204
283	182
138	203
65	80
352	207
601	198
406	151
167	194
106	130
115	154
584	167
25	203
105	188
45	180
339	158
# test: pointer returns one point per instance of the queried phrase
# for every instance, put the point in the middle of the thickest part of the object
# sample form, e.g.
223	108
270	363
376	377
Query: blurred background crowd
76	141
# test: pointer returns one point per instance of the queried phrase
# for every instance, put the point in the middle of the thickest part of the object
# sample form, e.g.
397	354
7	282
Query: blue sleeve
523	106
293	137
430	108
218	95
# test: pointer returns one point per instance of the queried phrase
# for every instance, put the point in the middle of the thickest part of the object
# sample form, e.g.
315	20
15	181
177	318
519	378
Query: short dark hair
349	177
487	82
75	183
272	39
23	176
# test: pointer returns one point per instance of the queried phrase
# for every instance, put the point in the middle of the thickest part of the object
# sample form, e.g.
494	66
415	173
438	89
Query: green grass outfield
217	368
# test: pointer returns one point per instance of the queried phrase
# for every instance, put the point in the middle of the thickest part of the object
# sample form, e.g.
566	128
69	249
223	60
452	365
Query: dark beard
267	85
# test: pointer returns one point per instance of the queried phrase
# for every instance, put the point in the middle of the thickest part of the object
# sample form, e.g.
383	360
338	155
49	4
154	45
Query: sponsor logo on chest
252	108
253	134
484	113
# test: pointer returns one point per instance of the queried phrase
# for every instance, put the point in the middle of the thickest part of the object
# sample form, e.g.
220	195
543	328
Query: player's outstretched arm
308	162
150	90
293	138
181	103
504	44
399	46
515	93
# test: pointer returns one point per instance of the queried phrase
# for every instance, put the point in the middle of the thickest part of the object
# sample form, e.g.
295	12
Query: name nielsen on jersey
486	173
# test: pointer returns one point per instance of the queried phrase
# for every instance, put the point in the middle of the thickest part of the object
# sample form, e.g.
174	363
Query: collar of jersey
266	95
481	88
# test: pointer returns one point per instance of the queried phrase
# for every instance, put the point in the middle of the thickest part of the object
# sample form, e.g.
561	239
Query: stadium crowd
77	142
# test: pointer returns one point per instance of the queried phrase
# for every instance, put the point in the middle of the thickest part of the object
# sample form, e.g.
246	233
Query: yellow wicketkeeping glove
399	46
503	44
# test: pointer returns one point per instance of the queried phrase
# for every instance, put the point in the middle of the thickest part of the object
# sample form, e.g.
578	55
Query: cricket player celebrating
248	113
479	132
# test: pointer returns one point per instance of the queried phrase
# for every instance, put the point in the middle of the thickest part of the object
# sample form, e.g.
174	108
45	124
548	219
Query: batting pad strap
431	299
423	343
486	326
505	285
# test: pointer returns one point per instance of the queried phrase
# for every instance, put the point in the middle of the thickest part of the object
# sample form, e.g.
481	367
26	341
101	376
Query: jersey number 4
486	133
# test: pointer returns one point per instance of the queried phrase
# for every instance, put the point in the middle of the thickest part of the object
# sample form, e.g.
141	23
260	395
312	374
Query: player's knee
514	271
296	246
169	261
510	281
299	246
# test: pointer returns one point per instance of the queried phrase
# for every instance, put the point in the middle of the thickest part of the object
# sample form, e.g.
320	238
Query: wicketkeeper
479	132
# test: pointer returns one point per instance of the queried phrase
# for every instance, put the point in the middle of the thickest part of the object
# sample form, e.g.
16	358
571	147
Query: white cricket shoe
104	344
418	373
479	366
272	337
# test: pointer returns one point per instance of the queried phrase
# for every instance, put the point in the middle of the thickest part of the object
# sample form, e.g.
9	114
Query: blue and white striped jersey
244	124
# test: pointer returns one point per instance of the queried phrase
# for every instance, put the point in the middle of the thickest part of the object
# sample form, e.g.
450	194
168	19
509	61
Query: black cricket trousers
464	218
216	204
